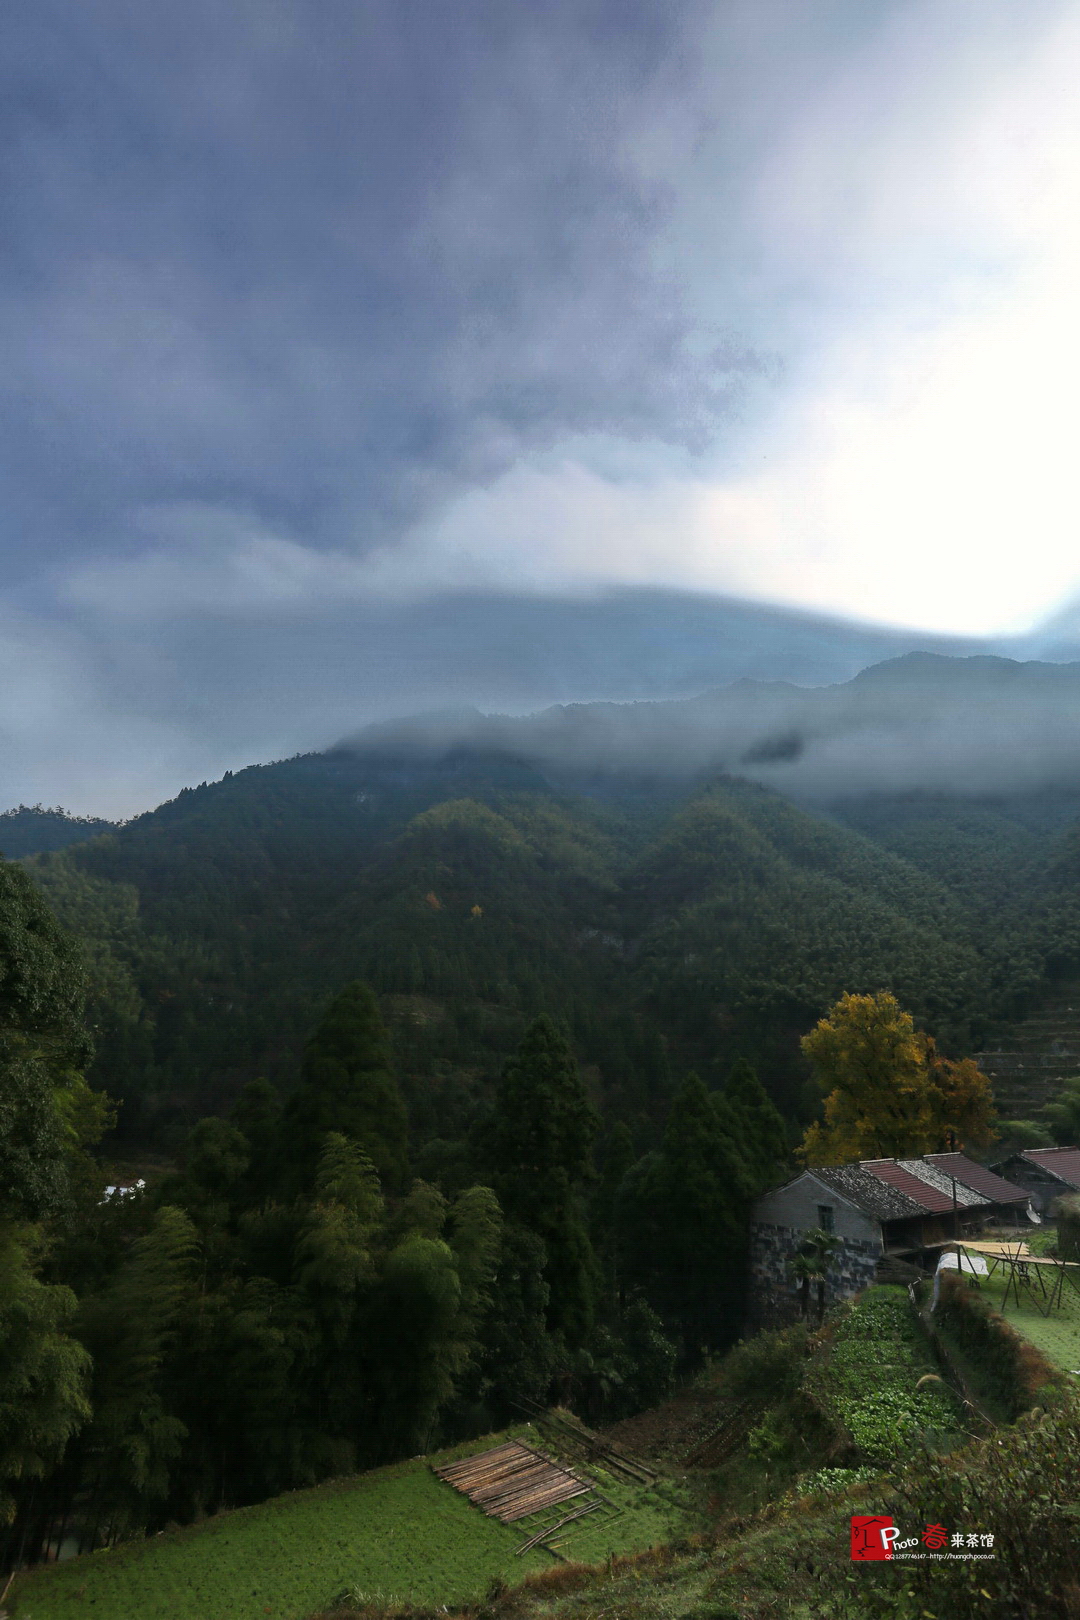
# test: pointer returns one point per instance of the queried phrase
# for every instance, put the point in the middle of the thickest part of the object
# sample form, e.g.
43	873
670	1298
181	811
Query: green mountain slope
31	829
670	927
753	912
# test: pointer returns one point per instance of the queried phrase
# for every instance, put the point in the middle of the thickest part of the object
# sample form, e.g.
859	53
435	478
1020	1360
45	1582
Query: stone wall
773	1298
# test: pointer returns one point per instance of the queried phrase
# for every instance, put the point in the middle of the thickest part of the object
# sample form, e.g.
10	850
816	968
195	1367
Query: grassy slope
395	1533
791	1562
771	1553
1056	1335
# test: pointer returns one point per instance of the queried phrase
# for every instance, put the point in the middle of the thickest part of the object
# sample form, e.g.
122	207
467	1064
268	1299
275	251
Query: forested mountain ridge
290	1301
594	862
29	829
671	925
920	722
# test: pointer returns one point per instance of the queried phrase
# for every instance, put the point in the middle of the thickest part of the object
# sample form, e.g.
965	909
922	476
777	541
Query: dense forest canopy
454	1077
672	926
31	829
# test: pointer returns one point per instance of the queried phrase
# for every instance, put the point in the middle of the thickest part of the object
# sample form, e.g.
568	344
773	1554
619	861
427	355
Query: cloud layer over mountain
923	722
325	324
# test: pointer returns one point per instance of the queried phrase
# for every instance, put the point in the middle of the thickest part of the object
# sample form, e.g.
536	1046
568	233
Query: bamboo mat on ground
511	1481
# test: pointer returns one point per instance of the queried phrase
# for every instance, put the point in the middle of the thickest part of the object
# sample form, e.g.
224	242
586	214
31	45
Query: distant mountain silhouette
32	830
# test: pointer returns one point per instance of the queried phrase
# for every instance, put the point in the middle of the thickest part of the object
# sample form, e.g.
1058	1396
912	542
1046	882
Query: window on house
825	1218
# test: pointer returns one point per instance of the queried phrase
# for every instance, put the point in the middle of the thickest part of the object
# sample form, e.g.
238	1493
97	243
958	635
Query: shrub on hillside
1020	1486
1069	1228
1015	1372
769	1366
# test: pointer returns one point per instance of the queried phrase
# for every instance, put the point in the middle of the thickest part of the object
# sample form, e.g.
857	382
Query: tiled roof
1063	1162
966	1197
929	1199
868	1193
978	1177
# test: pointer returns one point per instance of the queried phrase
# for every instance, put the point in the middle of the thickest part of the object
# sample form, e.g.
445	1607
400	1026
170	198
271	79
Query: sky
325	325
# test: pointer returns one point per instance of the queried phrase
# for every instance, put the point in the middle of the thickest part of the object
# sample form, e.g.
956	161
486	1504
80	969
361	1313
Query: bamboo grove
290	1301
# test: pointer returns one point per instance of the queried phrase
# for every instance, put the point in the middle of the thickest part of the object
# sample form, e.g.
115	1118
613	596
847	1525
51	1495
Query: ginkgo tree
888	1092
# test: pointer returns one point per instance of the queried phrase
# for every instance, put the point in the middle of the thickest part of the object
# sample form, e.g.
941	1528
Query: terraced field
395	1533
398	1532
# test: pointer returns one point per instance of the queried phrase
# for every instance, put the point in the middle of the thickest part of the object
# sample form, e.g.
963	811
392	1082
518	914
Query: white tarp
951	1261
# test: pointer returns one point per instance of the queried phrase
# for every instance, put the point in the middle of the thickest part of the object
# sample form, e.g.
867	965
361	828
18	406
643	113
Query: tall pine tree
761	1134
683	1214
540	1148
347	1085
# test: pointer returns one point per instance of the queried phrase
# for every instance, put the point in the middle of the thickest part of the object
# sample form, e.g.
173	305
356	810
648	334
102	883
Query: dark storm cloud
354	351
317	261
277	279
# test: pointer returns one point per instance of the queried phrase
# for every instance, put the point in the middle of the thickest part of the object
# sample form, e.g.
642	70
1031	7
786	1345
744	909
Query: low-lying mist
923	722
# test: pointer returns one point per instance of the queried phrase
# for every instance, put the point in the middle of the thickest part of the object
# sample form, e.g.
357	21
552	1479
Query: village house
1046	1174
881	1212
1009	1199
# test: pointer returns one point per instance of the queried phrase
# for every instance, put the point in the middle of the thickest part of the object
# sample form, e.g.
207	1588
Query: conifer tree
706	1187
618	1158
540	1146
683	1214
348	1086
761	1132
519	1354
544	1125
475	1238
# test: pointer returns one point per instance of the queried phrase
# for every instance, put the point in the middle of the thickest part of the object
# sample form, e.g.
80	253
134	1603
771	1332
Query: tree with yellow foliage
888	1091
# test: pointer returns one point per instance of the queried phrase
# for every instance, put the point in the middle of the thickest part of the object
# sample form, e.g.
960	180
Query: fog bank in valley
922	722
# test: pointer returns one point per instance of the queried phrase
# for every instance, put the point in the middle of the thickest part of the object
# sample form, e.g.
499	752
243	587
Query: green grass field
1056	1335
394	1533
648	1516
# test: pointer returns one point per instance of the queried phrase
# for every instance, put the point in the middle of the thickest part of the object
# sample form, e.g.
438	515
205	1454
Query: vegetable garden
878	1359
